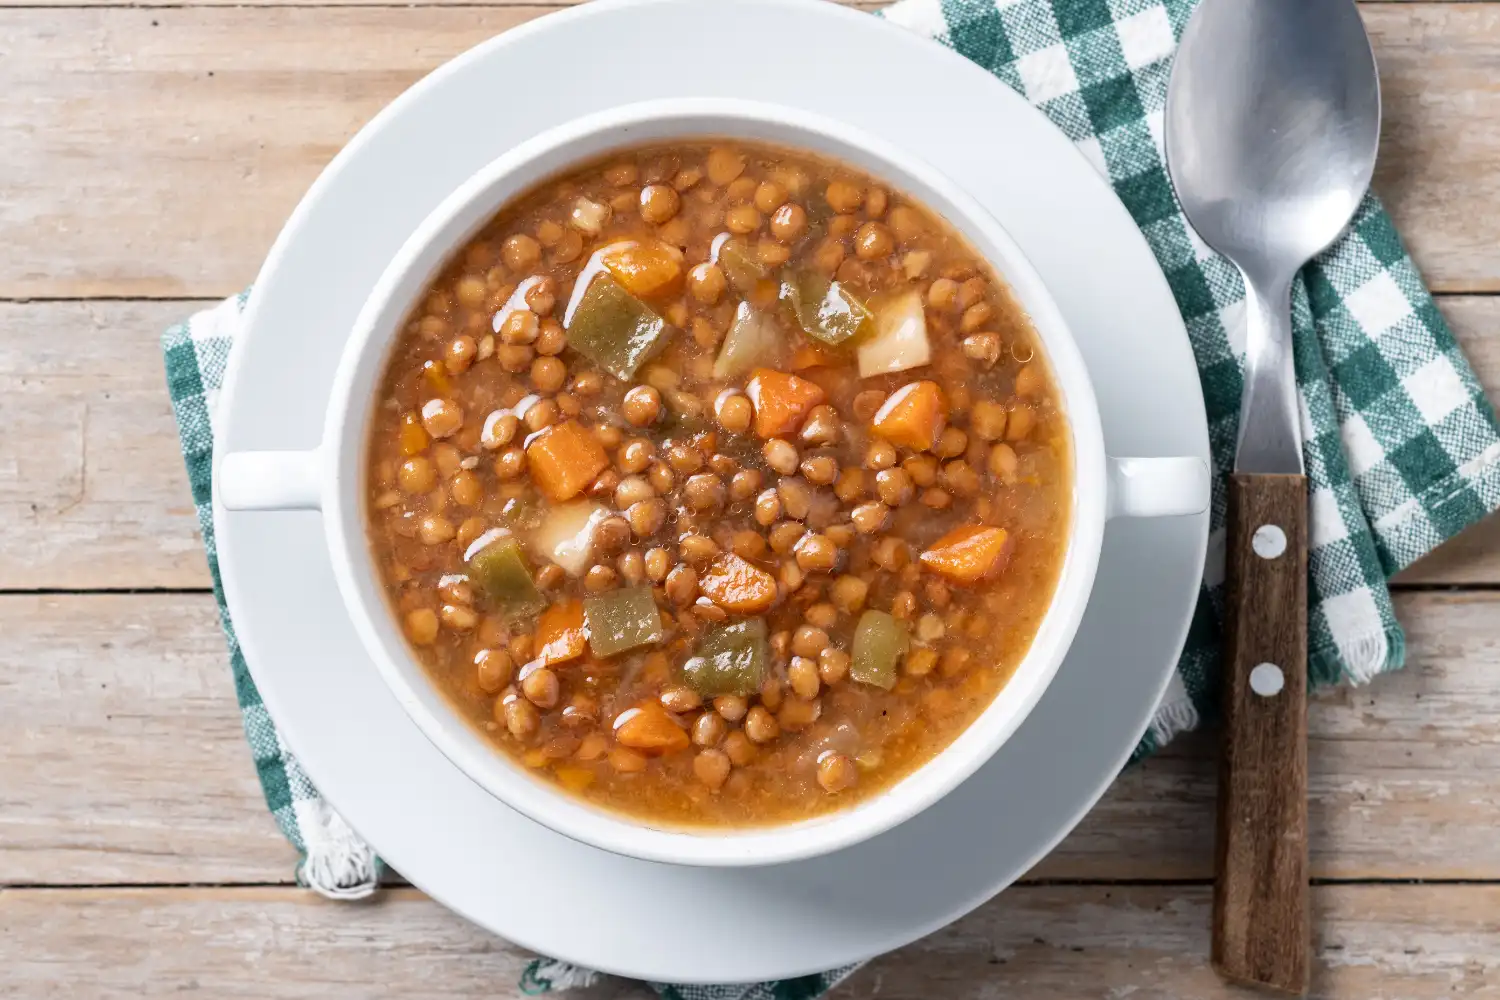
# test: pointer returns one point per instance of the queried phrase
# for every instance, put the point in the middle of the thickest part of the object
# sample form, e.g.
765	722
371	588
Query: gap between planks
189	133
125	760
1044	942
93	485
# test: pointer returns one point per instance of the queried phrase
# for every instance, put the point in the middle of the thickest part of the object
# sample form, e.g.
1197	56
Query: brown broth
682	478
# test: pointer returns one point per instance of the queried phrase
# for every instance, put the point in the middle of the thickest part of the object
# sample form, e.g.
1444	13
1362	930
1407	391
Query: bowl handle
1157	487
270	480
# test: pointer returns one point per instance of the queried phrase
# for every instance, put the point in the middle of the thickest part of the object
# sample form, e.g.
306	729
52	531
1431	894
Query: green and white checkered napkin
1401	445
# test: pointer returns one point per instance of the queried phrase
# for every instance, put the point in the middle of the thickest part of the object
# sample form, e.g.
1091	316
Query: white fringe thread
338	864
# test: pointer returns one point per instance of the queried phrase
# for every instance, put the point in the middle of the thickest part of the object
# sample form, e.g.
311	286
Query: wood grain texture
1260	915
1037	942
187	134
92	488
123	759
96	495
1440	135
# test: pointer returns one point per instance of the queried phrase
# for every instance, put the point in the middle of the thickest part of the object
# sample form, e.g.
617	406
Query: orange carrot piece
648	728
812	356
968	554
574	779
564	459
914	416
437	377
781	401
736	585
560	634
414	439
644	269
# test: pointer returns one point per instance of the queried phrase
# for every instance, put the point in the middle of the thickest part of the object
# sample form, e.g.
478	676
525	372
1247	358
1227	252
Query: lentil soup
718	484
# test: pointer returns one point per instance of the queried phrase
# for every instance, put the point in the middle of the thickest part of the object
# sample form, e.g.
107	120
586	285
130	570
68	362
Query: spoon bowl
1272	125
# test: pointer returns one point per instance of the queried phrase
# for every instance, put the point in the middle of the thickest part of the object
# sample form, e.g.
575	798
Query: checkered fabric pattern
1402	449
334	860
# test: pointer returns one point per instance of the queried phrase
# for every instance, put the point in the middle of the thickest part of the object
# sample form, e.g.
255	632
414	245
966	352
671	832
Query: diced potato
564	459
589	216
754	341
900	338
913	417
968	554
781	401
566	534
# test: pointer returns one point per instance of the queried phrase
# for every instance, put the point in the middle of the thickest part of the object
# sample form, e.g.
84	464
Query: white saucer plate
533	886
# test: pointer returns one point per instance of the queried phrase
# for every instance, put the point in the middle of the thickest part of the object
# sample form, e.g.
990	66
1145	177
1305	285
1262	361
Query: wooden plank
124	759
1402	773
187	134
126	762
1039	942
93	487
1076	941
1440	136
156	153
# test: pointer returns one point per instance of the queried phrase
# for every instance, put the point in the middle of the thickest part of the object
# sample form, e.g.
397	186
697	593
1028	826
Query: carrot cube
564	459
968	554
914	416
560	634
812	356
645	270
781	401
738	586
648	728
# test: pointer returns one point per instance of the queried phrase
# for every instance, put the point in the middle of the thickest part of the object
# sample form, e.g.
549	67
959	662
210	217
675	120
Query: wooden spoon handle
1260	931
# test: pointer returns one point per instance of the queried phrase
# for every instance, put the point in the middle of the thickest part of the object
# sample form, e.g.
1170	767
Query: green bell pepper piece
731	659
741	265
825	310
614	329
501	573
622	619
880	641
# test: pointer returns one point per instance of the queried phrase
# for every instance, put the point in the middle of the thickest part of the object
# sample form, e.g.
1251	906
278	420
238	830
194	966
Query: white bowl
331	478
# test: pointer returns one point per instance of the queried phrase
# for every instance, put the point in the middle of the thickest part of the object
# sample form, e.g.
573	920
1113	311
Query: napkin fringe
543	975
1372	653
337	864
1171	718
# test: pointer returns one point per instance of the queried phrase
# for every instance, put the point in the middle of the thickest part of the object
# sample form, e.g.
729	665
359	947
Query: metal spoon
1272	121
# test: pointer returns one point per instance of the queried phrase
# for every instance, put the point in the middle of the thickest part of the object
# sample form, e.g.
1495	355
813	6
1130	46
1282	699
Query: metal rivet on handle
1269	541
1266	679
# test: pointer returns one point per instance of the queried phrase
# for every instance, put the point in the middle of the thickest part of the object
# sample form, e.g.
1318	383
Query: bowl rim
432	244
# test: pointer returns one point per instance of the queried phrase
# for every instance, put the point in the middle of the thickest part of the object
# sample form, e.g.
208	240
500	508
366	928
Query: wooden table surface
148	156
